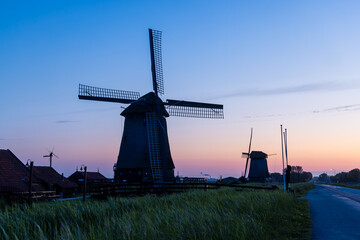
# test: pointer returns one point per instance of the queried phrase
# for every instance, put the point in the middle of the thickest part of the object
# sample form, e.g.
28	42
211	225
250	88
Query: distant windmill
51	155
258	170
145	151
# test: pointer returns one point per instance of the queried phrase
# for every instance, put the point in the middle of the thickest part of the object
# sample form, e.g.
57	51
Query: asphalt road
335	212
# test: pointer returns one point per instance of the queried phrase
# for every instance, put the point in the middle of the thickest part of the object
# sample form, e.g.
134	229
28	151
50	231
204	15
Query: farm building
53	181
92	177
14	175
14	179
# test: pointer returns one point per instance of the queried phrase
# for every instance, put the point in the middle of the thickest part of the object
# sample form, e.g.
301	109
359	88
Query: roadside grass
213	214
301	189
355	186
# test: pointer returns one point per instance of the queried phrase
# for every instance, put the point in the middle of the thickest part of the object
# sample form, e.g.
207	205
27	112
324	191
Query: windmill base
138	175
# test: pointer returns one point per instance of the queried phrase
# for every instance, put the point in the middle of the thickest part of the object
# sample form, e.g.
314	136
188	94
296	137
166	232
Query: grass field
215	214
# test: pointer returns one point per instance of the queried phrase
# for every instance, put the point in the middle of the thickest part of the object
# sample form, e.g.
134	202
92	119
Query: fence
22	197
100	190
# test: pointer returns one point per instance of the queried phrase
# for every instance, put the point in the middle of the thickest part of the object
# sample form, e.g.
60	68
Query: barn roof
14	175
50	176
90	175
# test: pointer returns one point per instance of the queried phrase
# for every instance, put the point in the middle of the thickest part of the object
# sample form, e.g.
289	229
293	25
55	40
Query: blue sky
269	62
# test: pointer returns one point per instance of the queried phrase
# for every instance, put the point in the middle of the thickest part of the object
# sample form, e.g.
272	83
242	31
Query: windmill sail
107	95
156	61
194	109
248	154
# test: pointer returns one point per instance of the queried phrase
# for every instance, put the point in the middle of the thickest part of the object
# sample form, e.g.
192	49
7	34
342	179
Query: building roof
90	175
50	176
14	175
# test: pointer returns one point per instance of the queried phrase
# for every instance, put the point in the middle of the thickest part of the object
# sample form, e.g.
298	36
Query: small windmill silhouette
50	155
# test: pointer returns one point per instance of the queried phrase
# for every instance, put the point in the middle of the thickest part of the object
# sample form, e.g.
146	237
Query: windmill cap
258	155
147	103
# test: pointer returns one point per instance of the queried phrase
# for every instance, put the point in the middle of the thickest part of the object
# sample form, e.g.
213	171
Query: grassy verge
301	189
355	186
216	214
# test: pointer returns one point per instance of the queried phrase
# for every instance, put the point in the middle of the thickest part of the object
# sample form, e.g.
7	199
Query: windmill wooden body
258	171
145	151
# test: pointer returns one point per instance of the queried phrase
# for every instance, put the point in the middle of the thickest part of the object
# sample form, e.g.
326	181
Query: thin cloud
264	116
59	114
94	110
65	121
345	108
311	87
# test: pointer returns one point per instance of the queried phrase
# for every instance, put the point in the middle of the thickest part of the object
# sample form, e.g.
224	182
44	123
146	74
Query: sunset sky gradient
294	63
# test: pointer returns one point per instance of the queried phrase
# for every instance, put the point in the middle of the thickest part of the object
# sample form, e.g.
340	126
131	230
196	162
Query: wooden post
286	154
85	181
285	142
30	183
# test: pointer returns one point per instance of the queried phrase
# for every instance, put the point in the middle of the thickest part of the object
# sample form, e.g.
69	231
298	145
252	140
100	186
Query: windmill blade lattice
194	109
156	61
107	95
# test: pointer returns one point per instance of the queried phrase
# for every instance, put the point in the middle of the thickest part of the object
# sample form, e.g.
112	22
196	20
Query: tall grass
301	189
216	214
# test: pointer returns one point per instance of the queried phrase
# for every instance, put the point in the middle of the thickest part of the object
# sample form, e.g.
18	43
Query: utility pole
30	183
282	154
285	141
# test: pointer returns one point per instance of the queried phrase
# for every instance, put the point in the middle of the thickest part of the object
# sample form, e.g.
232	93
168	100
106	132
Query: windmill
258	170
50	156
144	150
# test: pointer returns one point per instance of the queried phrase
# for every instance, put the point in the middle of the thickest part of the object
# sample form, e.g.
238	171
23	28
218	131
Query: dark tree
354	175
306	176
323	177
297	175
276	177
